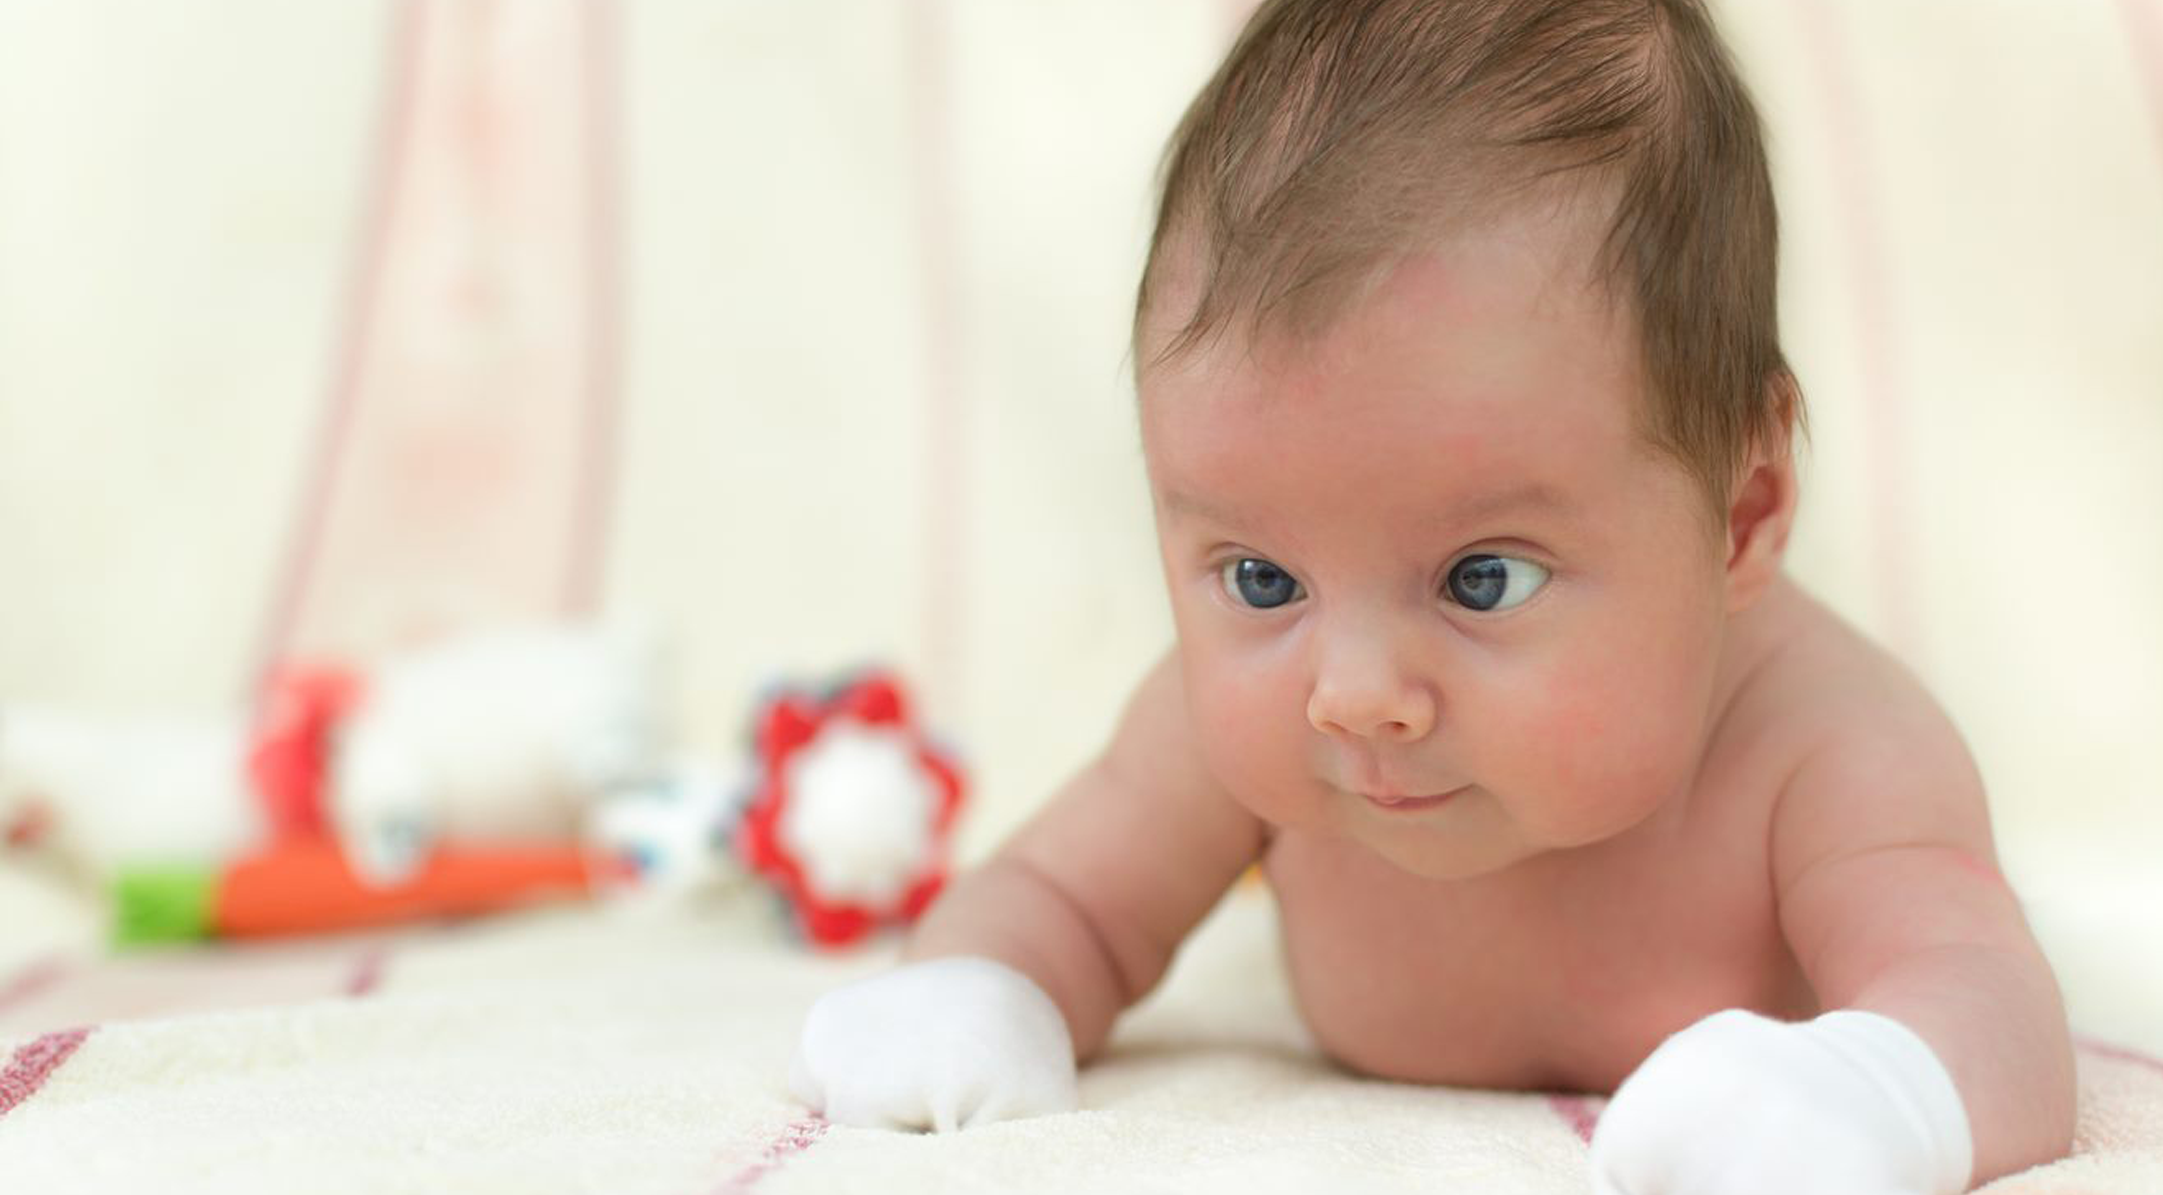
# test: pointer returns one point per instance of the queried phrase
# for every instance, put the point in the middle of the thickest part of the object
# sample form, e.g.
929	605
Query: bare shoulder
1873	762
1146	818
1093	895
1153	747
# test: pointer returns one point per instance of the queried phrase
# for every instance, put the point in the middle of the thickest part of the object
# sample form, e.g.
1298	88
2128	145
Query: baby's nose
1376	702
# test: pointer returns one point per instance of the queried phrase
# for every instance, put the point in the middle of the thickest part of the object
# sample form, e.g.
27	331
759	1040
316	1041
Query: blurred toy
502	741
672	835
507	736
853	810
291	747
83	793
308	885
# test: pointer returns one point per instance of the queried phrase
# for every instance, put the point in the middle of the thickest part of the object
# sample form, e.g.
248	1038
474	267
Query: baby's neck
1755	634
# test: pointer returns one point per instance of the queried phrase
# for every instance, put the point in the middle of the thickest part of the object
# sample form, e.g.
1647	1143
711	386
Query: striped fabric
800	329
481	1060
799	326
857	274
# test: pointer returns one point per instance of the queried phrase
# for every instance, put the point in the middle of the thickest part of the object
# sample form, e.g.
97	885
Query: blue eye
1493	582
1259	584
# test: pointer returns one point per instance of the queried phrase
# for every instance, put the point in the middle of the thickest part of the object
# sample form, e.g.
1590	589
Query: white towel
583	1050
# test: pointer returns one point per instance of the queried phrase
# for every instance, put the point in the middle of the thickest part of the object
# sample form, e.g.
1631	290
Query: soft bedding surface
599	1049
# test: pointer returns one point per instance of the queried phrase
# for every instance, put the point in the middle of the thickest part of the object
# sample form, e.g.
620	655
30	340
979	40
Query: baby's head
1465	413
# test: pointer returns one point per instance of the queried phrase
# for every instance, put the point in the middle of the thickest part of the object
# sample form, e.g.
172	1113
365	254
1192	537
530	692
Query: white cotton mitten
1851	1103
943	1045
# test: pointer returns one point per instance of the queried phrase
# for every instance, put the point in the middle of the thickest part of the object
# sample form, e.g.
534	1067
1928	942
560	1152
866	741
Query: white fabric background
838	216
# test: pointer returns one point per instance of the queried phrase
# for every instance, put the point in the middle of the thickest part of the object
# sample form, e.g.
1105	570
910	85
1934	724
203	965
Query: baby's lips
1409	801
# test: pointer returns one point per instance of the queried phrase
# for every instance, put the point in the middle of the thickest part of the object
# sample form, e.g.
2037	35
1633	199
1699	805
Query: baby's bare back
1565	970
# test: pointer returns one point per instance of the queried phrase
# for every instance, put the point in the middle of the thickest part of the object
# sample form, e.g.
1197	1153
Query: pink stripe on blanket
1234	15
34	1063
945	376
794	1139
1876	330
334	423
2104	1049
367	973
32	980
1580	1112
586	561
2144	36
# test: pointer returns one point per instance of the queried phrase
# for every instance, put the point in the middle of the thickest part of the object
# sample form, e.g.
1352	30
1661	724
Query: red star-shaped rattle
853	809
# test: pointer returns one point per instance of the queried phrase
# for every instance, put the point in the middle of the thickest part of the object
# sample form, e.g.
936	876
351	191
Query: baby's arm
1023	964
1942	1058
1891	899
1093	896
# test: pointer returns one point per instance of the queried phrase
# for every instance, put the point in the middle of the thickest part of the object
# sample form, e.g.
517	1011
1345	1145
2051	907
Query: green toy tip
162	904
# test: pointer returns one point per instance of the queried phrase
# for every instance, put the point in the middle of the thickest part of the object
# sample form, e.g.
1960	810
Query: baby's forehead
1511	305
1466	369
1541	260
1477	371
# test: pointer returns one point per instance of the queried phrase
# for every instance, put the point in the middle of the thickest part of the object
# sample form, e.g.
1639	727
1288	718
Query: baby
1469	437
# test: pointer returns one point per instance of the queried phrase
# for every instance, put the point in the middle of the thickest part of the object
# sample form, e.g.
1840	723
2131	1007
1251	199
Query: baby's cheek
1247	750
1612	753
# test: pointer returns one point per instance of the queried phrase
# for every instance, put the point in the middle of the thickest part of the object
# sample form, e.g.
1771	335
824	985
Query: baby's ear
1761	506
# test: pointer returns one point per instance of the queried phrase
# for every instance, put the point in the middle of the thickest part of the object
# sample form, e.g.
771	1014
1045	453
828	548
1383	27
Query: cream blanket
622	1051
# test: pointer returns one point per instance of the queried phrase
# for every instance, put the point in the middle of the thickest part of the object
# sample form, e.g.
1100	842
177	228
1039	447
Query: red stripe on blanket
34	1063
2104	1049
1876	331
1580	1112
31	980
946	414
592	511
298	555
1235	14
794	1139
2144	36
367	973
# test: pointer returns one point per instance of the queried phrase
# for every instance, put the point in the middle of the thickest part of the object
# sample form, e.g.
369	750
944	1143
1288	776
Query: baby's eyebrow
1537	497
1532	495
1178	502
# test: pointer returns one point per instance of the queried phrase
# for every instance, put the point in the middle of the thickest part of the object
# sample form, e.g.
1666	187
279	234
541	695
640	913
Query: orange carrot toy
306	886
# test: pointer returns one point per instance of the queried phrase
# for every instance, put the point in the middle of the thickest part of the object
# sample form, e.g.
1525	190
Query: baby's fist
1851	1103
944	1044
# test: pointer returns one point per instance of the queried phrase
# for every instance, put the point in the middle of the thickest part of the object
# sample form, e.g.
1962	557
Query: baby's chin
1471	835
1467	836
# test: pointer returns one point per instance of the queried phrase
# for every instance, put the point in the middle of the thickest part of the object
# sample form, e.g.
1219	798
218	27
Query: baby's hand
1851	1103
944	1044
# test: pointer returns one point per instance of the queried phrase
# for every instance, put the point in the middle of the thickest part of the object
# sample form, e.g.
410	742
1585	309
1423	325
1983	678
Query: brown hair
1339	134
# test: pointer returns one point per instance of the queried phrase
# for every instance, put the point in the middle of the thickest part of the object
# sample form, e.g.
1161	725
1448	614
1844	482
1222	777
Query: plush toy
852	811
82	793
506	736
488	751
672	836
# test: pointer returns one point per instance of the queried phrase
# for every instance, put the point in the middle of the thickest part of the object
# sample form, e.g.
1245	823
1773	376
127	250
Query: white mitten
1851	1103
944	1044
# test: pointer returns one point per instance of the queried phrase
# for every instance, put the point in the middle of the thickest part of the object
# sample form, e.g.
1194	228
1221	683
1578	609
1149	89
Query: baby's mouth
1396	802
